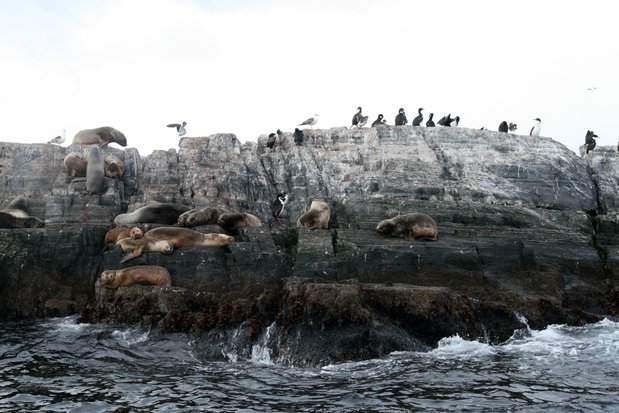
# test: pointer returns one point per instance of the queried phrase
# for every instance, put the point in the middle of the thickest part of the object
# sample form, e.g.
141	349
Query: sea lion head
119	137
165	247
136	233
385	227
108	277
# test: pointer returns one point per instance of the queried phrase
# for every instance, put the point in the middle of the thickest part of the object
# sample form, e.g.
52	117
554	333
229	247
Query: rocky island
528	232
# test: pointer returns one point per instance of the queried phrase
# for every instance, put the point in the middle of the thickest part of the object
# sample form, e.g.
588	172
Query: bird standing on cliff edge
419	118
356	118
310	121
180	128
430	123
379	121
536	129
400	119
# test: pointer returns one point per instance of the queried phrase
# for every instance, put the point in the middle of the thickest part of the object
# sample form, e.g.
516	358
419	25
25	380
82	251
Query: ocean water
59	366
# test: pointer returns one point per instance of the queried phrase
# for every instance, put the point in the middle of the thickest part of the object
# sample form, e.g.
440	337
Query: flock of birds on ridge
359	120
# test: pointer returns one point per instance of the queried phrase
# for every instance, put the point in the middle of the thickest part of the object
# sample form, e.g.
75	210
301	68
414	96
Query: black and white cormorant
278	205
180	128
400	119
430	123
419	118
536	129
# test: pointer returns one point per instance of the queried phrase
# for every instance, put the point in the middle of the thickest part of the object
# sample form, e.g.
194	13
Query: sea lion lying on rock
14	213
200	216
139	274
75	165
316	217
99	136
232	221
153	213
409	226
118	233
166	239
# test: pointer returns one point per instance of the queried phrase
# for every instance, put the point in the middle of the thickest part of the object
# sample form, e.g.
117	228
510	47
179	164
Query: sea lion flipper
129	256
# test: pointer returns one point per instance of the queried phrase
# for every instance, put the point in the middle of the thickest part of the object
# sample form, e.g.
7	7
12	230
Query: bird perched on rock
310	121
280	136
419	118
298	136
180	128
379	121
271	140
356	118
453	122
430	123
590	142
445	120
363	121
400	119
503	127
512	127
59	139
536	129
278	205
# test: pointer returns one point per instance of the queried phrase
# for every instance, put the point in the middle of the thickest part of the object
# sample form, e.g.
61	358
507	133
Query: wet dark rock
528	233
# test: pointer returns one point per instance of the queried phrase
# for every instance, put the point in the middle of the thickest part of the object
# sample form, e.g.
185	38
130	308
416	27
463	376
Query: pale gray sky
251	67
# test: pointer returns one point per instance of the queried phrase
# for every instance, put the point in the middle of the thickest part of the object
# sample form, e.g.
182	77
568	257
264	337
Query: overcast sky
251	67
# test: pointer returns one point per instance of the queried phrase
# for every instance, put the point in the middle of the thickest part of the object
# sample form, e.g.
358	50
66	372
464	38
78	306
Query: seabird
356	118
363	121
278	206
536	129
311	121
180	128
400	119
379	121
512	127
446	120
453	122
590	143
271	140
298	136
441	121
591	89
430	122
58	139
503	127
280	135
419	118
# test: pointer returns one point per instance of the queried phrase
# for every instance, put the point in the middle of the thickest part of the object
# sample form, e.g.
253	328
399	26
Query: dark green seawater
60	366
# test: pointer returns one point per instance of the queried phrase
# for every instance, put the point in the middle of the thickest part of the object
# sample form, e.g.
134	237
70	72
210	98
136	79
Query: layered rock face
526	228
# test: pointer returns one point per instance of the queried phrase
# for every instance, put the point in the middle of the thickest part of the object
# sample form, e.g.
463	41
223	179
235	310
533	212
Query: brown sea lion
75	165
95	171
166	239
115	234
139	274
99	136
409	226
232	221
317	216
153	213
200	216
14	213
114	166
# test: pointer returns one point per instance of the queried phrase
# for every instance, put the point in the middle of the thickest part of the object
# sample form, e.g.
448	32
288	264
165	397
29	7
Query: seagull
430	122
59	139
379	121
536	129
180	128
592	89
400	119
311	121
419	118
356	118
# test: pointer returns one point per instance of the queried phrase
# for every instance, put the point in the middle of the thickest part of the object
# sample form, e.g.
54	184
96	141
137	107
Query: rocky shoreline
526	229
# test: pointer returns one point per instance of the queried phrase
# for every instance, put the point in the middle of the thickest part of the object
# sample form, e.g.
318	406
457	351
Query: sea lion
316	217
114	166
166	239
95	171
99	136
232	221
154	213
75	165
409	226
115	234
139	274
15	213
200	216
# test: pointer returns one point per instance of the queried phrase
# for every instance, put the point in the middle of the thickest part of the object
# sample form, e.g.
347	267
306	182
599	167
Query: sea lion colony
133	241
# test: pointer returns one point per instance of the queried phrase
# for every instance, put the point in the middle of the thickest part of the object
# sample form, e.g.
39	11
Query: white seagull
59	139
180	128
311	121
